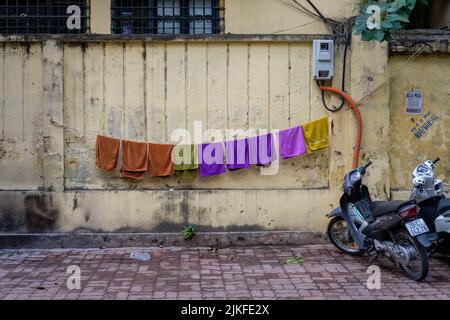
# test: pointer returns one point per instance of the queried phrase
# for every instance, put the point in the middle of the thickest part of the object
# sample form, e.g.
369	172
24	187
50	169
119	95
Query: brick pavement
199	273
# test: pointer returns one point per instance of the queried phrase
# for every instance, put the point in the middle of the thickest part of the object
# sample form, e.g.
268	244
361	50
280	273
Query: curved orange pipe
355	108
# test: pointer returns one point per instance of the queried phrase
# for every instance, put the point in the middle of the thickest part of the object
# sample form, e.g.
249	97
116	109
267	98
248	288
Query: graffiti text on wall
424	124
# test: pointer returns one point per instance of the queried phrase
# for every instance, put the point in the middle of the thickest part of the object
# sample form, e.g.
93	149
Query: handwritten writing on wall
424	124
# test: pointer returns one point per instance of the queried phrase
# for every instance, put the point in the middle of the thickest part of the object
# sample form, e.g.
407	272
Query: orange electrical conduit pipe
359	122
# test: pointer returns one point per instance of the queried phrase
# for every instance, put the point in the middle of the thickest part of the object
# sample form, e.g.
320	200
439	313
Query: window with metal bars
40	16
166	16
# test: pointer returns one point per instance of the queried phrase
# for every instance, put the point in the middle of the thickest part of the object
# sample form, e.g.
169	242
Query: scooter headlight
422	169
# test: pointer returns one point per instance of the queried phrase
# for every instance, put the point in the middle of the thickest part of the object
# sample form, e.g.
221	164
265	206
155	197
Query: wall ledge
166	38
406	42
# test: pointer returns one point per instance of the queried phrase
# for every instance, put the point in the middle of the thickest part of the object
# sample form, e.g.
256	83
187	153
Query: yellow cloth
185	169
316	134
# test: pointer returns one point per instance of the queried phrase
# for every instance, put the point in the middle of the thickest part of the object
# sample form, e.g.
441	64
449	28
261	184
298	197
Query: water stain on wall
40	213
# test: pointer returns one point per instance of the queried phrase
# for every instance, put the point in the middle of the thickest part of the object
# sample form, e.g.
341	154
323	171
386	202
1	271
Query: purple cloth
237	154
260	150
211	158
292	142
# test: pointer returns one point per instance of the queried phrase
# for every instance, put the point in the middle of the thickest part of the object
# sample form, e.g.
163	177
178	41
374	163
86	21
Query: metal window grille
166	16
40	16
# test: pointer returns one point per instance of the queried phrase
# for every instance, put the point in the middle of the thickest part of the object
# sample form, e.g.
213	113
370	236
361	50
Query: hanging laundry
185	162
316	134
291	142
237	154
160	160
211	156
186	174
134	159
260	149
106	152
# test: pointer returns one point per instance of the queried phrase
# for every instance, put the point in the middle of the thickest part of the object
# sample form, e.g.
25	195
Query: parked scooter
434	207
392	228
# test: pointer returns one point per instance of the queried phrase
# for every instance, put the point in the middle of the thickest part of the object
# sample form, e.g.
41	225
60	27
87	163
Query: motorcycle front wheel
417	269
340	237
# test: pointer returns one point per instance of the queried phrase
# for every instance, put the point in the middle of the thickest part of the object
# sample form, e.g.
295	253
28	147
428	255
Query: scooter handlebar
367	164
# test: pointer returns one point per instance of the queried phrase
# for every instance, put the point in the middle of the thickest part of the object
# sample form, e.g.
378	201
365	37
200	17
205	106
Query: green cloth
186	174
186	169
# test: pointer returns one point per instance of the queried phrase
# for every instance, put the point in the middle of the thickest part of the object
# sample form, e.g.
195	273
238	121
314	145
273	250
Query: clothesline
63	125
95	133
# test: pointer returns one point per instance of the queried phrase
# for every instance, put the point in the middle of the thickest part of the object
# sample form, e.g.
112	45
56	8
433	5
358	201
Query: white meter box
323	59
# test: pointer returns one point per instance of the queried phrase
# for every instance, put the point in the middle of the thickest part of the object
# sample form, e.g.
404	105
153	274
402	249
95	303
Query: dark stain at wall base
213	240
8	222
169	227
11	217
40	214
27	212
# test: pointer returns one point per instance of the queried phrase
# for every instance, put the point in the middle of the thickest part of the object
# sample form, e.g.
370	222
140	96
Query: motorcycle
428	194
393	228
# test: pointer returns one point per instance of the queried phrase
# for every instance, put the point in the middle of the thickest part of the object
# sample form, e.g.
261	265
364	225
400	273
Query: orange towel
160	160
106	152
134	159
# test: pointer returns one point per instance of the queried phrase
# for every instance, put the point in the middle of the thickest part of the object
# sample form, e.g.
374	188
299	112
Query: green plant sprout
188	232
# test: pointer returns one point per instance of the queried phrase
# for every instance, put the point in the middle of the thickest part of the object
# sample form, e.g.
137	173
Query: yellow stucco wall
100	16
250	16
277	16
144	90
430	75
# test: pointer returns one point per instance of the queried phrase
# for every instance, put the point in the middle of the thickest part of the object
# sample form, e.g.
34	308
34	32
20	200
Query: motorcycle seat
443	205
380	208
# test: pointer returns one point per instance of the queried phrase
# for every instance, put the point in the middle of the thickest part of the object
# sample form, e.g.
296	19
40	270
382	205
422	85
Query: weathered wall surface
251	16
21	143
429	74
144	89
278	16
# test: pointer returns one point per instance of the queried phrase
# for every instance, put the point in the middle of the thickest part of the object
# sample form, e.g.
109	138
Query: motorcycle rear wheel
335	232
403	238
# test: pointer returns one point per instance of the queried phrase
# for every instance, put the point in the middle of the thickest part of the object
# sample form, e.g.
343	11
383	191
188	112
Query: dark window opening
436	15
40	16
166	17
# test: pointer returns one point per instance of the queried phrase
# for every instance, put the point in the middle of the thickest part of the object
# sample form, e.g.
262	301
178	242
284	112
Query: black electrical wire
315	9
332	23
344	67
329	21
301	8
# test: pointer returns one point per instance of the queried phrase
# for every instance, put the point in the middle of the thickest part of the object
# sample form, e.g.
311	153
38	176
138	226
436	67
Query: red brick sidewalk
235	273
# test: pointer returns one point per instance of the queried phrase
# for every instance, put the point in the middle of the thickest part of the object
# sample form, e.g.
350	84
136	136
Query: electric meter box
323	59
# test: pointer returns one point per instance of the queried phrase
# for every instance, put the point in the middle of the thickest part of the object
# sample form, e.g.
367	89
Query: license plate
416	227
